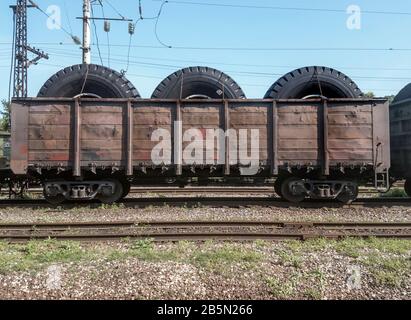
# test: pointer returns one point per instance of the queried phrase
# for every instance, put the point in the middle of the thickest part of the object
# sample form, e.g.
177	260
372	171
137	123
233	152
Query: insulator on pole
107	26
131	28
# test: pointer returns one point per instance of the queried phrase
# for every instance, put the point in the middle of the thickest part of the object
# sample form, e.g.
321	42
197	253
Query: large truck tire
200	83
88	80
310	82
404	94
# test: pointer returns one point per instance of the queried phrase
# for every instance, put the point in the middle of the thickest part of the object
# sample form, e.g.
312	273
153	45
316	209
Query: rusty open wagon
96	148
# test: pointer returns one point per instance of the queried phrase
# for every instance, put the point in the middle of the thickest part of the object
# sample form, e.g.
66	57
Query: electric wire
118	12
96	34
48	16
240	6
108	37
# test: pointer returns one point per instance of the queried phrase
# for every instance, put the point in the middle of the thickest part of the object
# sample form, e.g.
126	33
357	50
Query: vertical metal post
129	139
178	140
86	32
227	137
274	138
326	155
77	139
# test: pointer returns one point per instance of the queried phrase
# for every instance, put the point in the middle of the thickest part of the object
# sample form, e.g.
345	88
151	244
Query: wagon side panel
298	134
19	138
350	134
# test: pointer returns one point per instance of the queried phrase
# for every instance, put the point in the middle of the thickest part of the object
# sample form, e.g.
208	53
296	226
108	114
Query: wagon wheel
277	186
349	194
54	200
292	190
17	189
407	187
114	197
126	189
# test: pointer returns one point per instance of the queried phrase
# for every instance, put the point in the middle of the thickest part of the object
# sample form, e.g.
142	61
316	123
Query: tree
5	116
390	98
369	95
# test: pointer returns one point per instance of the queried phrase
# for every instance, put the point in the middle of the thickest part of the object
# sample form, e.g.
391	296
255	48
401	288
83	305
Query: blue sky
207	27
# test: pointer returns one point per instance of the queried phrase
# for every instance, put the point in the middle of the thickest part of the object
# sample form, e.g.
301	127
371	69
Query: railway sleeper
107	191
296	190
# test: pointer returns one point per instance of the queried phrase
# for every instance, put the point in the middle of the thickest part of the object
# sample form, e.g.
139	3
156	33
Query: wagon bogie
296	190
107	191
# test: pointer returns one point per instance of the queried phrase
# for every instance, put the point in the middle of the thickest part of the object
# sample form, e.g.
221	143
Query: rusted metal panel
55	156
49	132
19	138
49	145
118	132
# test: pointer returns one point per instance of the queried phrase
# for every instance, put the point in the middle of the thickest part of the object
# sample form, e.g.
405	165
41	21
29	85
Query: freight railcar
86	148
400	132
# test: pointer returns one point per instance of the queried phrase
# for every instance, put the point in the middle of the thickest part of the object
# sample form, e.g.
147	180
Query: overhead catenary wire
115	10
107	36
72	36
203	62
96	35
269	75
304	9
331	49
156	26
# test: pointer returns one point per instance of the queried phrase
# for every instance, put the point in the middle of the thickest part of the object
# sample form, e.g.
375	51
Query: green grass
289	258
36	254
395	193
387	261
215	258
388	271
281	289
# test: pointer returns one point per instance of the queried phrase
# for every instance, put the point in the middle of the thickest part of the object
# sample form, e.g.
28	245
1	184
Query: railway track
201	230
223	201
209	190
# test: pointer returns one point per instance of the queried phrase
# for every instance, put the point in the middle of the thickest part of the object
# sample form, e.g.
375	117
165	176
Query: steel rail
202	230
210	190
233	202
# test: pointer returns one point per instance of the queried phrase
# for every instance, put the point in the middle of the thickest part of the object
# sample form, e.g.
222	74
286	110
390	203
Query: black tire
404	94
198	82
100	81
313	81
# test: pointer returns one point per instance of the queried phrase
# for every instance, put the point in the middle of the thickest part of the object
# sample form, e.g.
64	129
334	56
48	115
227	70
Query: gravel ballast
166	213
349	269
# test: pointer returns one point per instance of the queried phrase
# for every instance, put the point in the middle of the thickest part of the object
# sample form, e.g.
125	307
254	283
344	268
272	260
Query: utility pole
86	32
87	18
21	61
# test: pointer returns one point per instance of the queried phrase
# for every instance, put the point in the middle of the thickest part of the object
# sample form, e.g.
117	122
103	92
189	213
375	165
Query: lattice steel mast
21	49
